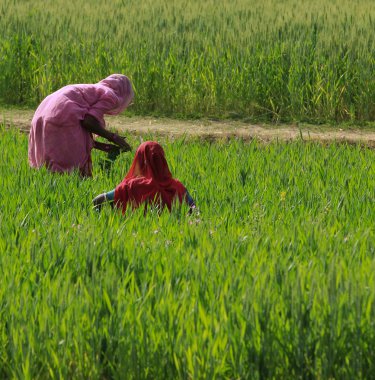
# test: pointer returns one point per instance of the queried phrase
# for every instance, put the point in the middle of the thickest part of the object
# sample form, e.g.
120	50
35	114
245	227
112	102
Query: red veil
154	185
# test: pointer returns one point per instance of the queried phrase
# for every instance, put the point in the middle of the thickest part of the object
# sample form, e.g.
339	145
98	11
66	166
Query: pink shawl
57	138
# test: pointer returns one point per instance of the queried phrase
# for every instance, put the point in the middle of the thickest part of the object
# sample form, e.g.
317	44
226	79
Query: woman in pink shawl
63	124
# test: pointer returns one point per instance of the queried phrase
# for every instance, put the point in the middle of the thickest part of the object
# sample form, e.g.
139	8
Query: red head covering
154	184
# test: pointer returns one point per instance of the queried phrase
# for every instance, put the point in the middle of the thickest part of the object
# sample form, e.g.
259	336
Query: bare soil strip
208	129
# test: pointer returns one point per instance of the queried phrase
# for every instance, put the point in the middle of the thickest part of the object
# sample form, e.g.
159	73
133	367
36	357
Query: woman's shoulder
180	186
143	181
134	182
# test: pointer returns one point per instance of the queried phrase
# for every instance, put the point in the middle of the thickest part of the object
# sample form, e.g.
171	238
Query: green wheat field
274	277
260	60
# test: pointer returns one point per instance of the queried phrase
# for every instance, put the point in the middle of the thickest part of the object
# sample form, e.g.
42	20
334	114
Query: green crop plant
259	60
274	278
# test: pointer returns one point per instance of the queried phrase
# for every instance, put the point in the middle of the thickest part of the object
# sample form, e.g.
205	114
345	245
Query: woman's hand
121	142
109	148
114	152
98	202
104	147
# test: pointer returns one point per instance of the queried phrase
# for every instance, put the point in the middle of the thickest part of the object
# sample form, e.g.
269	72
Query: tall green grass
274	279
262	59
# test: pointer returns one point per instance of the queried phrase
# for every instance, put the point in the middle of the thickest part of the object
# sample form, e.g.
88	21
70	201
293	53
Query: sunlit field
274	278
255	60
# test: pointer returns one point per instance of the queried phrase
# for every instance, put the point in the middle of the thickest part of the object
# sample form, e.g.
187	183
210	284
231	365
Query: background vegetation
274	279
257	60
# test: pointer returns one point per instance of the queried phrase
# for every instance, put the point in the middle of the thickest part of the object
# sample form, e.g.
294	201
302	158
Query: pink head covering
122	88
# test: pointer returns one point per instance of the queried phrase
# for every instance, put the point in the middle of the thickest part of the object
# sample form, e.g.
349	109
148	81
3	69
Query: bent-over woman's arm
91	124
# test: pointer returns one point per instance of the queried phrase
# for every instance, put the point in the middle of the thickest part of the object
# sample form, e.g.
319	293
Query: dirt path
208	129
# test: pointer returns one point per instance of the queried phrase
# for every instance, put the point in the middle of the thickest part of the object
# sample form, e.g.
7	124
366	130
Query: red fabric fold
149	180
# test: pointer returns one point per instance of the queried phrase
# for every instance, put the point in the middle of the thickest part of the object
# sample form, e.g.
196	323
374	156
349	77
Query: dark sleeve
189	200
103	198
110	195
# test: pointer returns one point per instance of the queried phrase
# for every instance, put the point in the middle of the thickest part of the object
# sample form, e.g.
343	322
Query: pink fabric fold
57	139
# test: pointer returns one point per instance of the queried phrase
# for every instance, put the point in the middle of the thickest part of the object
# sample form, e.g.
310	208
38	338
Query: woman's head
150	162
123	90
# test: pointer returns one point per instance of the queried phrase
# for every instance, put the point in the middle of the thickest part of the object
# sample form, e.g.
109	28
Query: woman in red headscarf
148	181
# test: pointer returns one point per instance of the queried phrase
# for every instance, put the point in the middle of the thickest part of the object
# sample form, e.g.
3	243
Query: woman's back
138	190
